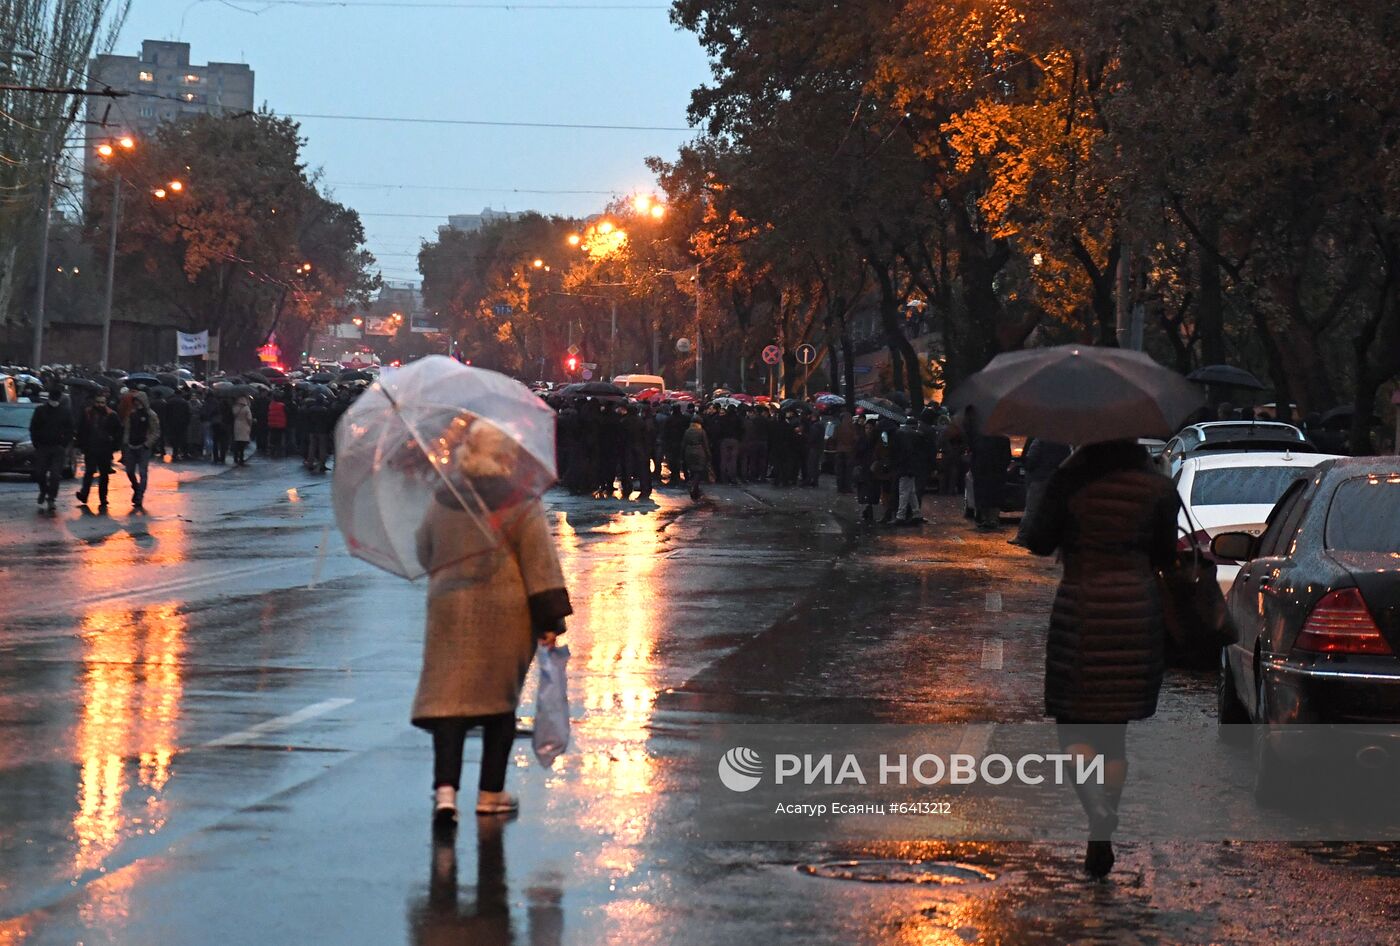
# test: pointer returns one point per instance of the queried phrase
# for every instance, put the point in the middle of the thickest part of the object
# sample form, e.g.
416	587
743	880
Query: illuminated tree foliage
247	246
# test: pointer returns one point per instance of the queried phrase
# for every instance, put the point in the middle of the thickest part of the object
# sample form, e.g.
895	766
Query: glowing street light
127	142
658	211
538	263
575	239
105	150
606	227
176	186
159	192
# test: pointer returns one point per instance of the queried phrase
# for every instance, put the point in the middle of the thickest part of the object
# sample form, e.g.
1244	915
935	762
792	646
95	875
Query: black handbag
1193	609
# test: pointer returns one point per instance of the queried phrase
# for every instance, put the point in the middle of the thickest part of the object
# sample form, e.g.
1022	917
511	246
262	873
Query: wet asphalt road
204	737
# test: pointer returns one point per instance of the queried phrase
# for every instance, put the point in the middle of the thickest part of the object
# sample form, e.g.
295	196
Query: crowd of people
886	457
106	417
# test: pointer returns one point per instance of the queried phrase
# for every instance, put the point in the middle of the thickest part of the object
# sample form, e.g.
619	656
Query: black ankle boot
1098	859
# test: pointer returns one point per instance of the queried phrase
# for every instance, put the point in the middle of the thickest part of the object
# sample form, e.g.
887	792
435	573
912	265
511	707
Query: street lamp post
106	150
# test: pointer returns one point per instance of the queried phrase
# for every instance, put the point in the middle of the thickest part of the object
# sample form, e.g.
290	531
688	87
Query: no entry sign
772	355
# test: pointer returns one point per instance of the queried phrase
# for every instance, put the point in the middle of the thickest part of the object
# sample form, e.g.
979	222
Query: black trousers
449	738
96	466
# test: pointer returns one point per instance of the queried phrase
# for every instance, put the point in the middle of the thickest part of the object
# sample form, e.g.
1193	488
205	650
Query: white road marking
320	558
277	723
155	589
975	739
994	601
991	654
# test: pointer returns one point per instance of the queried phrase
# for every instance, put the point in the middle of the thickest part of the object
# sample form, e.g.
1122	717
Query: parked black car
1316	613
16	449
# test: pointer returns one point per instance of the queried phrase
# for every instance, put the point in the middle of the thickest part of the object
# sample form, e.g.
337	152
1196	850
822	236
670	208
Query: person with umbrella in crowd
99	437
51	431
991	458
907	449
196	441
319	421
461	505
843	443
814	441
140	434
1111	517
486	613
276	427
176	423
242	430
695	447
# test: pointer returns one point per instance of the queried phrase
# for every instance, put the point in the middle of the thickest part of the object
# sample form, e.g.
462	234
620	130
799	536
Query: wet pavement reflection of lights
613	637
132	692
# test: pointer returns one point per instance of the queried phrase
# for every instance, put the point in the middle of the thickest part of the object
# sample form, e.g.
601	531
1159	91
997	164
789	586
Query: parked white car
1234	492
1231	436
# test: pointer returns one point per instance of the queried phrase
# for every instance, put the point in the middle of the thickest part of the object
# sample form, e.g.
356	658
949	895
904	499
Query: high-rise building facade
164	86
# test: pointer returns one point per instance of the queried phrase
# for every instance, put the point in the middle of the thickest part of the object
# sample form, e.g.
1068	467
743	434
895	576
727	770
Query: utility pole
1121	302
111	268
37	354
612	344
699	349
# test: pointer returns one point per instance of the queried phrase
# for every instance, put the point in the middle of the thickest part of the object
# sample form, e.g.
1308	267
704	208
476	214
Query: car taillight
1341	623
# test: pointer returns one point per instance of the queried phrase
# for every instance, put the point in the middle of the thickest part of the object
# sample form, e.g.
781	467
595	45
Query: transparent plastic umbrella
438	438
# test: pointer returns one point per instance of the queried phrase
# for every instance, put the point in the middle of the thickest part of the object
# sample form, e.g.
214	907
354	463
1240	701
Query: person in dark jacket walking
140	434
1113	520
991	456
51	431
99	437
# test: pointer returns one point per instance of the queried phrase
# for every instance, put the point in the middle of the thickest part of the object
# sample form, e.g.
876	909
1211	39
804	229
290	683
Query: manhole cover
942	873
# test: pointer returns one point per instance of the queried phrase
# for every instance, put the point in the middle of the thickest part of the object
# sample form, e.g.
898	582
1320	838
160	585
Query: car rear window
1365	515
1243	485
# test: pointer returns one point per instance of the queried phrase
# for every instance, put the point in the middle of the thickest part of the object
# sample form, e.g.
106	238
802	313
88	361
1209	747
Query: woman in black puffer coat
1113	520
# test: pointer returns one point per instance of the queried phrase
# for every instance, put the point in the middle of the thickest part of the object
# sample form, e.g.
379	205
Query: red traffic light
571	364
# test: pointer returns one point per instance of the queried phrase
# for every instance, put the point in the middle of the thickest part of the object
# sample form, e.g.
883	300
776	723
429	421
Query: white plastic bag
552	704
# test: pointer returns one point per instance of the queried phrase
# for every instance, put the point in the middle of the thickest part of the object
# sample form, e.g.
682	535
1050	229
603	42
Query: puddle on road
886	871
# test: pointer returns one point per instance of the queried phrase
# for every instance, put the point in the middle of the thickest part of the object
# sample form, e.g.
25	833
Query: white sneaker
445	804
496	803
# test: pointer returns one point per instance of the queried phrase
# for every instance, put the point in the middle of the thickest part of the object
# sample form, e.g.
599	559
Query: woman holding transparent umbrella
439	472
486	614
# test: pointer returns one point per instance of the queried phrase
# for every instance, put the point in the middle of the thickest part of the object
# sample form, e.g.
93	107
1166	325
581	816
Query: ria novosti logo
741	769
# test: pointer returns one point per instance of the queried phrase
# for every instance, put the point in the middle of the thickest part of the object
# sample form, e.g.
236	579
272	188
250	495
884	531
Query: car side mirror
1234	546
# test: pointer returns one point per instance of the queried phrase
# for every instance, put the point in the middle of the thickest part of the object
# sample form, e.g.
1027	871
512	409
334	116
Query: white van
636	383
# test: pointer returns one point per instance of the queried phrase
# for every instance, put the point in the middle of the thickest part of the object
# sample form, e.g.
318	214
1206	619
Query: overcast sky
457	59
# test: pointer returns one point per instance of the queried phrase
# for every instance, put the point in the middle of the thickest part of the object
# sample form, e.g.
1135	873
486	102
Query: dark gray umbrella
356	376
1227	376
160	390
1078	394
882	406
141	381
321	377
168	379
595	389
83	384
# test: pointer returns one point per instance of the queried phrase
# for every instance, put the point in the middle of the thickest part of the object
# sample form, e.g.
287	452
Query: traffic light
571	365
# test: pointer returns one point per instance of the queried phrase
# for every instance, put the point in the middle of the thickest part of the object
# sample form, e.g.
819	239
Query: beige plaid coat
480	636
